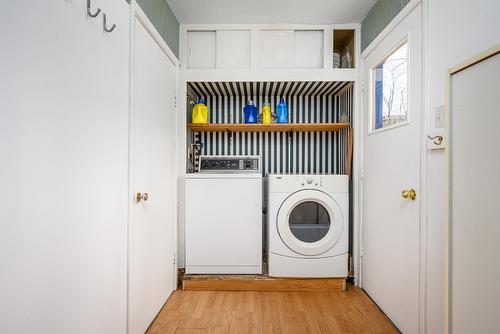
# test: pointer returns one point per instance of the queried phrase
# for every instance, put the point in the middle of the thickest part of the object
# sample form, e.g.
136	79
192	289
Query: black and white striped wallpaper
281	153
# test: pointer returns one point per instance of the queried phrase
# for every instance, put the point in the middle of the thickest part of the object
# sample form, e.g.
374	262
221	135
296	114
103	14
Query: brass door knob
142	197
409	194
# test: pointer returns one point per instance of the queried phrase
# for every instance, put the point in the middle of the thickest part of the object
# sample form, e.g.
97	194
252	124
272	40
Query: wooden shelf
275	127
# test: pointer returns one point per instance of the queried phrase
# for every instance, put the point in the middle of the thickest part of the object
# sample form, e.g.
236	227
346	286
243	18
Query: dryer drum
309	221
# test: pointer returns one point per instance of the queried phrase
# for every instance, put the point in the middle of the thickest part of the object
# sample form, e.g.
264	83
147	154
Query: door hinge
174	259
175	100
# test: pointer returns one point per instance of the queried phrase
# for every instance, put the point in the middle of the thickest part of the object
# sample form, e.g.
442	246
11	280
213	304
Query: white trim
269	26
129	162
344	74
446	244
136	12
389	127
357	162
390	27
254	74
423	270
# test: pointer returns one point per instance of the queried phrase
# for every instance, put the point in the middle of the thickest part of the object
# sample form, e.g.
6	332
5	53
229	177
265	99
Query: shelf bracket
230	133
289	134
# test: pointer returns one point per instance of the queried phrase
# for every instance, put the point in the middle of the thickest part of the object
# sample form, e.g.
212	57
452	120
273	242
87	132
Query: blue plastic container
250	111
282	112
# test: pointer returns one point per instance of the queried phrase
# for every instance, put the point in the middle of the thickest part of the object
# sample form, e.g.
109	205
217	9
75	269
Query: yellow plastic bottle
266	114
199	113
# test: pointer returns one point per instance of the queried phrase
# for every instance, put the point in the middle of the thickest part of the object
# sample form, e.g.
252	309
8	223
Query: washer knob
309	180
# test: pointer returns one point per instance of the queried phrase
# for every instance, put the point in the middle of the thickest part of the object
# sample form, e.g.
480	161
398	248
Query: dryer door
310	222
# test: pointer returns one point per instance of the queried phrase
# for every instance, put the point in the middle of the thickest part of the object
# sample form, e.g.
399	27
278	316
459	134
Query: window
390	89
309	221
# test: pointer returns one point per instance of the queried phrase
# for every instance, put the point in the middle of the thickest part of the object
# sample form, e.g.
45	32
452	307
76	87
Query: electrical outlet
439	117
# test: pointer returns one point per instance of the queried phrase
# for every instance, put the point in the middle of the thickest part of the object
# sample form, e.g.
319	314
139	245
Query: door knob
409	194
142	197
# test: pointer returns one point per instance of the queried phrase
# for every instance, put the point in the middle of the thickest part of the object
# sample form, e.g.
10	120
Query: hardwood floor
271	312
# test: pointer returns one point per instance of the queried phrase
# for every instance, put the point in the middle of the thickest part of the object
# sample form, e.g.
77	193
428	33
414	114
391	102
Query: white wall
63	168
456	31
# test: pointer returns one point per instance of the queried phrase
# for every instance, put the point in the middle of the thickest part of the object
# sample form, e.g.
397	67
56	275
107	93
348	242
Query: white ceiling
270	11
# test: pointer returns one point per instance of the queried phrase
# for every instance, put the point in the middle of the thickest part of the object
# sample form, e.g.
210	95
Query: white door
474	217
391	164
152	172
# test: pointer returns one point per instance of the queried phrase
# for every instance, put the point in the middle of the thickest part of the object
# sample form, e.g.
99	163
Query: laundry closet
312	69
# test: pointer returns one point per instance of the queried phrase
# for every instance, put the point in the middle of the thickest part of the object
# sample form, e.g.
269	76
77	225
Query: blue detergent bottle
282	112
250	111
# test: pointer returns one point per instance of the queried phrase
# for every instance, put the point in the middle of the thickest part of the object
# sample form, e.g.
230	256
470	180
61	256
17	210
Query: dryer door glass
309	221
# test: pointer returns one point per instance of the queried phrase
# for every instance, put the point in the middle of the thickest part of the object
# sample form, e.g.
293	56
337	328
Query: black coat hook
88	10
105	25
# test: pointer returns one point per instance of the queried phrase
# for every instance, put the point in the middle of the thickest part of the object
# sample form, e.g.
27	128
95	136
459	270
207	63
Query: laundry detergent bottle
250	112
199	113
266	113
282	112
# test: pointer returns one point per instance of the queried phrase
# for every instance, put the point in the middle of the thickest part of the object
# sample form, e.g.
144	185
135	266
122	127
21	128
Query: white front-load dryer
308	225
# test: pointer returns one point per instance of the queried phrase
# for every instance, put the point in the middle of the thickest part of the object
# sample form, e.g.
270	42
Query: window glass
309	221
390	89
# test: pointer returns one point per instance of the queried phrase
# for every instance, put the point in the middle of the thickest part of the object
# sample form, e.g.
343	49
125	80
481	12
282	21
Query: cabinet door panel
233	49
276	49
308	49
201	49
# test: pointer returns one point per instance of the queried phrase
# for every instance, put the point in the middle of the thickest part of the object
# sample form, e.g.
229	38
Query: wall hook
89	13
105	25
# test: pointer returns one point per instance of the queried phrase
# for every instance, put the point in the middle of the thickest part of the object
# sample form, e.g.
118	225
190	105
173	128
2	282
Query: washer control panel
229	164
310	180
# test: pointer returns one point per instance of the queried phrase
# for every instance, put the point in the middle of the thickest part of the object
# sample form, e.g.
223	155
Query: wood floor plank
322	312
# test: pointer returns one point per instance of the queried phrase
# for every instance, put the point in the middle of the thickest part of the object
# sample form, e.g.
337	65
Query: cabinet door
233	49
63	129
308	49
201	49
276	49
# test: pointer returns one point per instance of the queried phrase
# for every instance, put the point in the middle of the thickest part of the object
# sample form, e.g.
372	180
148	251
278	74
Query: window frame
371	127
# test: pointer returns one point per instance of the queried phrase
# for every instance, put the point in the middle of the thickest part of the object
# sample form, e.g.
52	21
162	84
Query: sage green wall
164	20
379	16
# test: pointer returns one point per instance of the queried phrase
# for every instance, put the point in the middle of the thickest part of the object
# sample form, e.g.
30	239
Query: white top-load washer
308	225
223	216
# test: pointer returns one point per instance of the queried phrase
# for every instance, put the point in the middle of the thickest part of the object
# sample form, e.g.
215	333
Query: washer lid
310	222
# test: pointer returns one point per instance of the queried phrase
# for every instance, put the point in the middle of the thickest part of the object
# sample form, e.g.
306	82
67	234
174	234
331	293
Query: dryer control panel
230	164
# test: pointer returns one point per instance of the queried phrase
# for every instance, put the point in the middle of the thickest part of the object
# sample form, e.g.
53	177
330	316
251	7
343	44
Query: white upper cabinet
201	49
308	49
233	49
276	48
267	47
